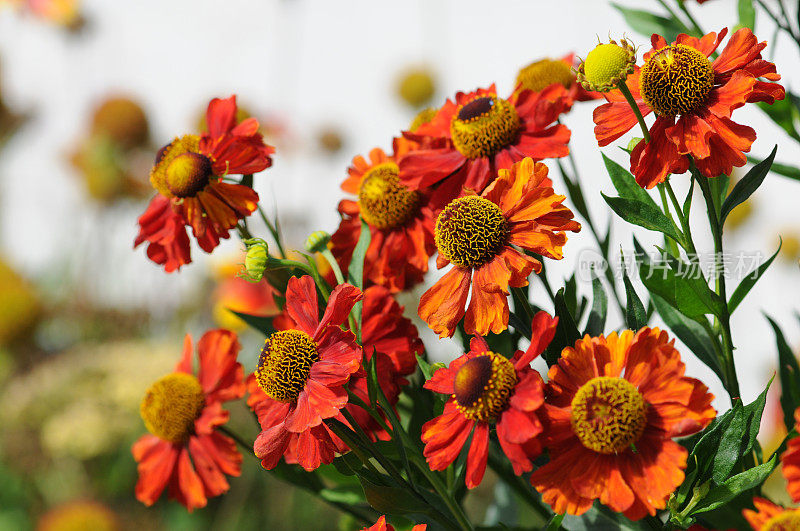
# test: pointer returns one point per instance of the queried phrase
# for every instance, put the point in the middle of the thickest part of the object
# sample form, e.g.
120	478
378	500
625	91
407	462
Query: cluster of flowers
463	183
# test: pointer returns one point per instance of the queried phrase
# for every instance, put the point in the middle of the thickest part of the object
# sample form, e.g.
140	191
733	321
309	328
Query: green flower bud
255	262
317	241
634	142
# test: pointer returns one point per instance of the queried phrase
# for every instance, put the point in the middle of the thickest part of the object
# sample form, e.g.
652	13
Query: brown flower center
484	126
470	231
171	405
385	202
608	414
188	174
676	80
483	386
285	363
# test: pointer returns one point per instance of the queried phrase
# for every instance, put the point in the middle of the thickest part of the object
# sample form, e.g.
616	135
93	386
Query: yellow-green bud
317	241
255	262
634	142
607	65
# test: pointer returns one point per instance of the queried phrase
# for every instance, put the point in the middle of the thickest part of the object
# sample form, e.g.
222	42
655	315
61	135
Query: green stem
623	87
697	29
685	225
673	14
277	263
357	513
273	230
672	244
732	384
419	461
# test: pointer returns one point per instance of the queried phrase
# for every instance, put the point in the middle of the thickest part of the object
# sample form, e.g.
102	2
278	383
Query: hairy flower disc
385	202
608	414
676	80
285	363
543	73
188	174
171	405
788	520
483	386
606	65
470	231
484	126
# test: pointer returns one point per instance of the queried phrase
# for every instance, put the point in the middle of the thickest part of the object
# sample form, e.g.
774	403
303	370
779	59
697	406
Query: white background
317	63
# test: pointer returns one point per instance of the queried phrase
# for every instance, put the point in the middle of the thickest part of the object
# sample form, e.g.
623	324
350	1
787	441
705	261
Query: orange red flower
613	405
400	222
184	451
301	375
381	525
479	133
392	338
480	234
188	176
487	389
790	463
771	517
693	99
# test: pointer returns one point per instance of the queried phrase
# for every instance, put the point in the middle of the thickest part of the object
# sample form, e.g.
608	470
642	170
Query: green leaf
687	203
576	197
749	281
786	170
747	14
426	368
392	500
626	184
565	320
735	485
747	185
349	495
692	334
355	271
739	437
692	297
597	315
566	331
635	313
257	322
789	374
646	23
555	522
644	215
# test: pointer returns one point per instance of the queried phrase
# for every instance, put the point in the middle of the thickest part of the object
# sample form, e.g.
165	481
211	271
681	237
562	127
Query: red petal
301	303
478	455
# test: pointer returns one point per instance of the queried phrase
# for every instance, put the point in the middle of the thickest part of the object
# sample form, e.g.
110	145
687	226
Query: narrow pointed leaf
749	281
747	185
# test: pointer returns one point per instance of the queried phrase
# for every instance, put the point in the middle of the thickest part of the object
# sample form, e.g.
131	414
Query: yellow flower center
188	174
483	386
608	414
484	126
171	405
788	520
606	64
424	116
285	363
416	87
470	231
676	80
180	169
385	203
543	73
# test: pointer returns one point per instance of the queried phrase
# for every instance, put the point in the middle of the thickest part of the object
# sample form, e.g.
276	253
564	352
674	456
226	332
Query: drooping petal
442	306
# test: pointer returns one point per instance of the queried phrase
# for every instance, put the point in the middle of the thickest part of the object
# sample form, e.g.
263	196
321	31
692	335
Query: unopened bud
317	241
633	143
255	262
